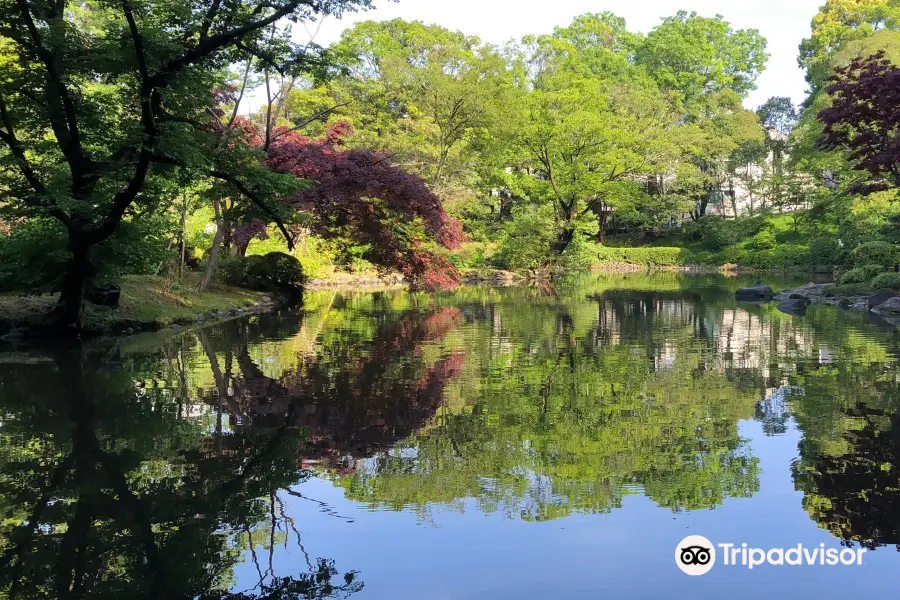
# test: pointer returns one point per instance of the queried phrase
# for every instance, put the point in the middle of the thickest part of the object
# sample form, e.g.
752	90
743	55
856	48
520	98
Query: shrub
714	233
273	272
875	253
472	255
659	257
526	240
861	274
775	258
886	280
824	251
764	240
33	257
581	253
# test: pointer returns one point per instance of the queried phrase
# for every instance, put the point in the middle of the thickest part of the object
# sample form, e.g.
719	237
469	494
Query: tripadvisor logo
696	555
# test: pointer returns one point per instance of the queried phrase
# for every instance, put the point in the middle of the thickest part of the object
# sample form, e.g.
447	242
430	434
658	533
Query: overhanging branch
240	186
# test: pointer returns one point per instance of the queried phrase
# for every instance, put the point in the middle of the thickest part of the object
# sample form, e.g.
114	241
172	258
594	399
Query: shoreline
21	316
147	304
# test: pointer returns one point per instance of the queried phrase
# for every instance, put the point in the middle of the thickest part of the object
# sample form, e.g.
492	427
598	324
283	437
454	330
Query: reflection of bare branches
271	570
262	578
290	523
325	507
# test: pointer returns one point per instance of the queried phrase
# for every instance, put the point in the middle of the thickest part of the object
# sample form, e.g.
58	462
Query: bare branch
211	44
306	122
18	152
242	187
63	117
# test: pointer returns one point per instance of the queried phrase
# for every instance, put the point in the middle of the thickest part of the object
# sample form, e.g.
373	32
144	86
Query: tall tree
588	140
837	23
94	96
435	86
693	56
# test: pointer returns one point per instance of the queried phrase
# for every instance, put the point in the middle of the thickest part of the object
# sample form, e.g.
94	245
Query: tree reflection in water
110	489
154	472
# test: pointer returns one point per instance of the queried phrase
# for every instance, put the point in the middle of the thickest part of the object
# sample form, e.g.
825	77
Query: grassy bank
146	303
775	241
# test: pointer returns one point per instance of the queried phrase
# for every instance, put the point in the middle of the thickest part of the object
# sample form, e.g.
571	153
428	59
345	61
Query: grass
147	302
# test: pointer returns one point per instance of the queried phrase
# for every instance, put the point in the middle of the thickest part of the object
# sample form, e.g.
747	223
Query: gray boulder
881	296
755	293
823	269
888	307
794	306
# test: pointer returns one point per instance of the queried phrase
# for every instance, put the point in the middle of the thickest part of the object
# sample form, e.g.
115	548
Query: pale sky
784	23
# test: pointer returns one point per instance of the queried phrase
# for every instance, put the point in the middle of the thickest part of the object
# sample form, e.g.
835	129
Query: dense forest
129	145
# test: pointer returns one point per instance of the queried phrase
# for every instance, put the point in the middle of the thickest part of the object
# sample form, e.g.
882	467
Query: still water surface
524	442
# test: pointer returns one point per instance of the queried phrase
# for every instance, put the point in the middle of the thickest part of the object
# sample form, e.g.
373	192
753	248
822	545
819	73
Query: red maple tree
864	119
359	194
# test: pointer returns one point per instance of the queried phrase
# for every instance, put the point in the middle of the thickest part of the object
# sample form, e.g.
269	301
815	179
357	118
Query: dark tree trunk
603	224
68	311
564	239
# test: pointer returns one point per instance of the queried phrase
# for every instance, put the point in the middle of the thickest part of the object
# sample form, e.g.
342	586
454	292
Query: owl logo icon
695	555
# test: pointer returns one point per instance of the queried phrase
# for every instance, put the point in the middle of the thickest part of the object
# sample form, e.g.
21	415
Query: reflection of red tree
357	400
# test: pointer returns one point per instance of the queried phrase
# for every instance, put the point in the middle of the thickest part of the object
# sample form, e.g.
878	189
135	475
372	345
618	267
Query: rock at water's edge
889	307
758	292
881	296
795	306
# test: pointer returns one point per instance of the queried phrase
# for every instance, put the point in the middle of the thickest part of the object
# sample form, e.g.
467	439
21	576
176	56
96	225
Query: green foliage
651	257
273	272
713	233
875	253
824	251
473	255
694	55
527	240
33	258
886	280
861	274
764	240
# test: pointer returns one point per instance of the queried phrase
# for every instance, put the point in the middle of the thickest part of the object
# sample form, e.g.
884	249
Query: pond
524	442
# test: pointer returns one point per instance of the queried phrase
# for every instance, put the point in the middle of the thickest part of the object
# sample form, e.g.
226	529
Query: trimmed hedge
776	258
656	257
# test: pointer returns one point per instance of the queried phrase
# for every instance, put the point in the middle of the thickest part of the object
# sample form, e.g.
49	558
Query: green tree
429	86
583	142
693	56
98	100
837	23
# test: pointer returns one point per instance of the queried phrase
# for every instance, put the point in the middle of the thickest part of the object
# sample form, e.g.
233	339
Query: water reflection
156	466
